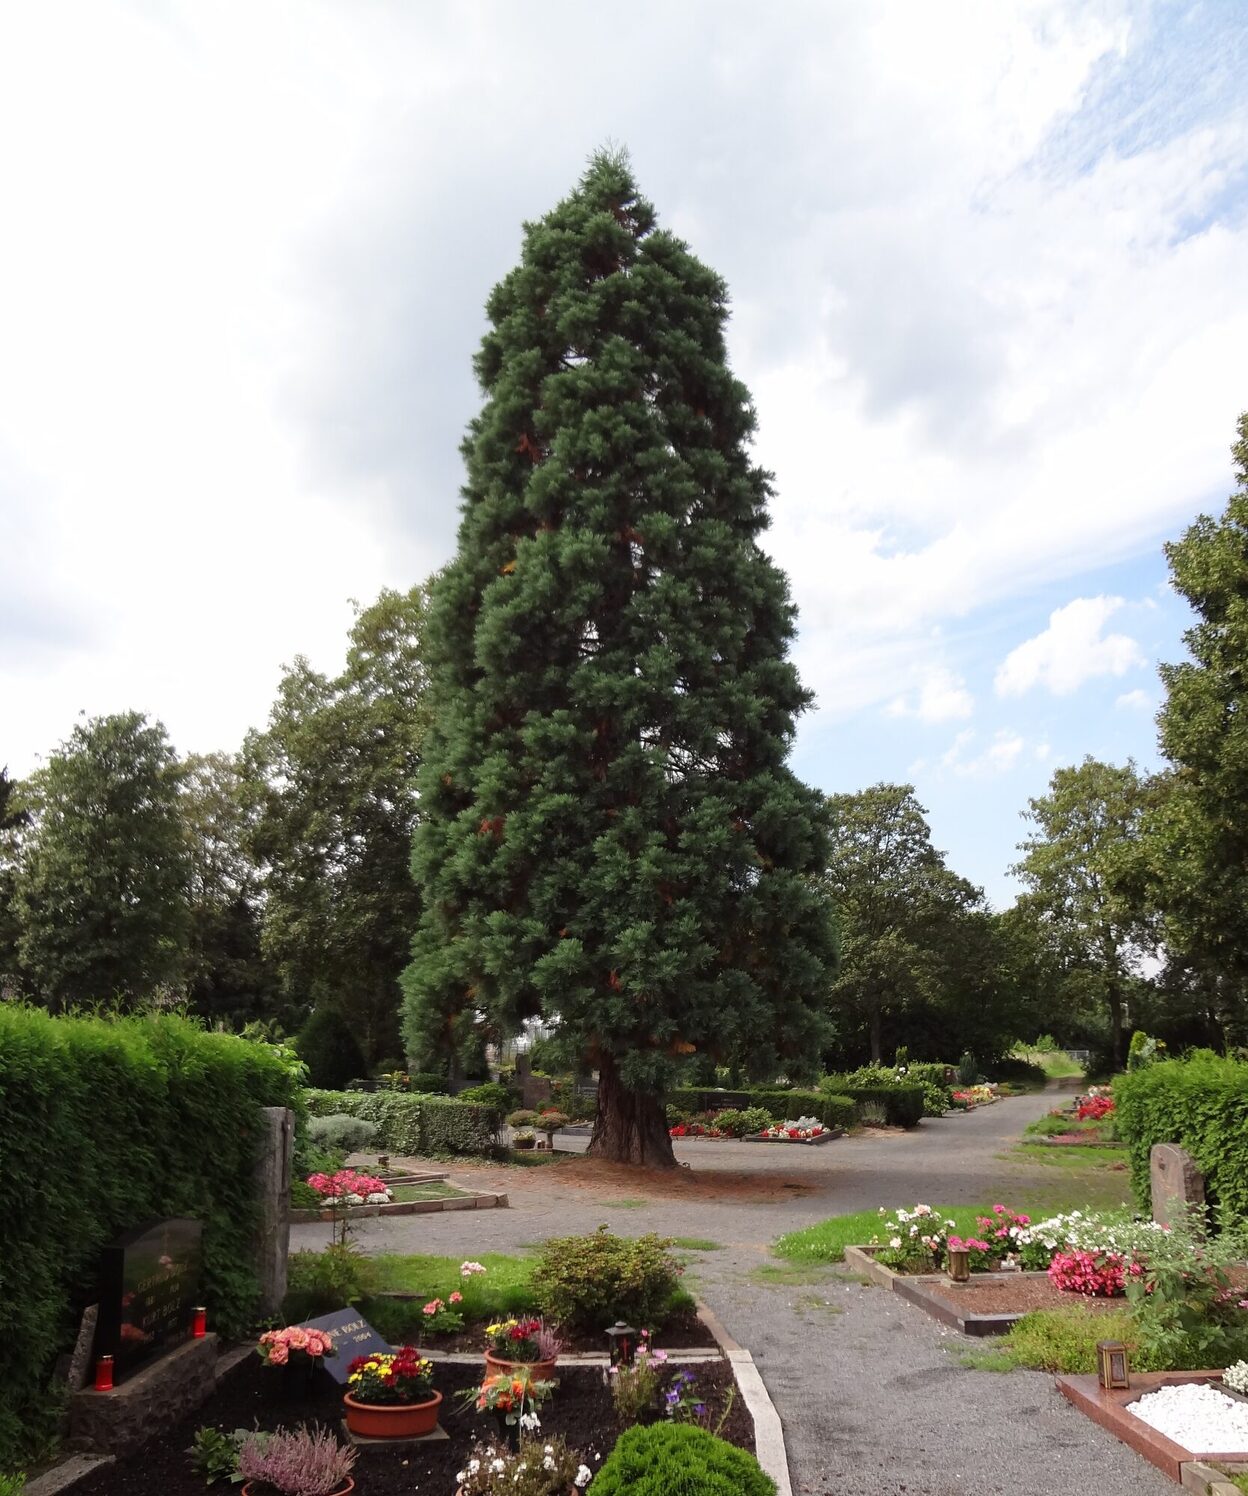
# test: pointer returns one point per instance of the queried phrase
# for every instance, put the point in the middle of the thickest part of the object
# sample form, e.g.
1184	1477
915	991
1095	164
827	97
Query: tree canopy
610	834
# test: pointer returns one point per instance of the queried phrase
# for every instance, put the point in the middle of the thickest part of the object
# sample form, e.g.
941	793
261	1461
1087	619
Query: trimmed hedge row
902	1101
831	1110
415	1124
104	1125
1201	1103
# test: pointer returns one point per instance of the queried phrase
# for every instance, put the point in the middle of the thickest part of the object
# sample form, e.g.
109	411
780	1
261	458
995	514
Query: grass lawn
1057	1340
435	1190
827	1241
696	1244
1055	1064
501	1289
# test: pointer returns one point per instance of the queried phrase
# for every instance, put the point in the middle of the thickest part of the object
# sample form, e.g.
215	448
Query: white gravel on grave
1197	1416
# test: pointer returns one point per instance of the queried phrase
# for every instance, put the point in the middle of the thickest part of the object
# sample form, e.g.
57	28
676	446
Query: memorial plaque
149	1286
352	1336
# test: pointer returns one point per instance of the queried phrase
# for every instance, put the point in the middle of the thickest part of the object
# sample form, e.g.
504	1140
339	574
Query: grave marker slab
149	1286
352	1336
1175	1182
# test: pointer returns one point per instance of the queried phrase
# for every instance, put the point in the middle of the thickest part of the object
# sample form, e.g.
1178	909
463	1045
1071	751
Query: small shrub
589	1282
341	1132
968	1070
738	1124
550	1122
12	1485
303	1196
635	1386
1064	1340
872	1113
320	1282
523	1118
669	1458
427	1082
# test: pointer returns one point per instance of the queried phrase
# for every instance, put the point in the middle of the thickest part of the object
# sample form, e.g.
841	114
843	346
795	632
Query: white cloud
1134	701
1070	651
942	697
998	757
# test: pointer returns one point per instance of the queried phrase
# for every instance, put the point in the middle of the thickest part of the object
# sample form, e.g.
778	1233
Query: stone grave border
469	1200
915	1288
1108	1409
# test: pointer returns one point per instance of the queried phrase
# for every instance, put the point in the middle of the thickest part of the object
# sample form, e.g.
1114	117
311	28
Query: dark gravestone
149	1287
352	1336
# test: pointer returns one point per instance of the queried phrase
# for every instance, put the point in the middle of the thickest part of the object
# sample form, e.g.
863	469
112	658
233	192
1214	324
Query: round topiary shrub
589	1282
679	1459
338	1130
328	1047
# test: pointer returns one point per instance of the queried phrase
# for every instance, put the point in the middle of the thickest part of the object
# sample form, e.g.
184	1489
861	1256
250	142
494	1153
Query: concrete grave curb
768	1430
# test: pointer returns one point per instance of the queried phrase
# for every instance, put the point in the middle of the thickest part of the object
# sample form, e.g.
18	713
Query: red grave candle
199	1323
104	1374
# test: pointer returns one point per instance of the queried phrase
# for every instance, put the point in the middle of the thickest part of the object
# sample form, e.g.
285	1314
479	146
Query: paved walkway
873	1395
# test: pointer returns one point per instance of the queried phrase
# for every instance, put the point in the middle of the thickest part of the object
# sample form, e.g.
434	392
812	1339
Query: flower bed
581	1410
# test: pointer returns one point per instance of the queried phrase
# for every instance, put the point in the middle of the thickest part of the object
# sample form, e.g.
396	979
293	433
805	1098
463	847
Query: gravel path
873	1395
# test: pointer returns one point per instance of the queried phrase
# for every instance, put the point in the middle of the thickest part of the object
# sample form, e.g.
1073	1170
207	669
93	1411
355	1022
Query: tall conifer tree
610	834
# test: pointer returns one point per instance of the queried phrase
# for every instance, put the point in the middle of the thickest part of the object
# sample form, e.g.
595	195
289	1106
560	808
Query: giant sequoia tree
609	832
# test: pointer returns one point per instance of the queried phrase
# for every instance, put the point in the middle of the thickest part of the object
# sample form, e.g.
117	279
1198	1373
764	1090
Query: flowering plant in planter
1094	1108
405	1377
295	1462
547	1469
278	1347
521	1340
1095	1274
912	1241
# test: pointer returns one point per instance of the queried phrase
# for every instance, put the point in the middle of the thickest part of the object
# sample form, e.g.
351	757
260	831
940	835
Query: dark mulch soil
683	1331
251	1396
1018	1295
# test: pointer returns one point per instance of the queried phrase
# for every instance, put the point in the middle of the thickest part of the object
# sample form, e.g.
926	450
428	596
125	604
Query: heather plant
296	1462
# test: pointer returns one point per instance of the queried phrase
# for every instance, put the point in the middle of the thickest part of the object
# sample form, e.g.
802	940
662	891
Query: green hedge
105	1124
831	1110
902	1101
1201	1103
415	1124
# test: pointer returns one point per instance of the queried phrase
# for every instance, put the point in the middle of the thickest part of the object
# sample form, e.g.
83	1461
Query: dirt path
873	1394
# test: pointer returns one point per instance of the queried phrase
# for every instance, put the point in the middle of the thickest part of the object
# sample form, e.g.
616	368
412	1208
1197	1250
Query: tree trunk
1113	1000
631	1126
877	1037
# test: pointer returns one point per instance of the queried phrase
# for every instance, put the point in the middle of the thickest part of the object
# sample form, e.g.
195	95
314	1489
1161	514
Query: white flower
583	1477
894	1242
461	1476
548	1449
473	1466
497	1465
530	1421
547	1462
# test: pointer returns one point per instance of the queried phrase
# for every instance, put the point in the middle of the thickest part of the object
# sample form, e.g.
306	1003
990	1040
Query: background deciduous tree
610	833
102	881
331	807
1073	872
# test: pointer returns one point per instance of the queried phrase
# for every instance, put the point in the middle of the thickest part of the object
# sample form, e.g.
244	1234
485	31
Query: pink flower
998	1210
433	1306
457	1298
278	1353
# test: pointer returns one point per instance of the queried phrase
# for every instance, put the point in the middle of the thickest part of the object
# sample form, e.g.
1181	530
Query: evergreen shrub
1200	1103
428	1083
832	1110
670	1458
492	1093
106	1124
415	1124
590	1282
328	1047
902	1100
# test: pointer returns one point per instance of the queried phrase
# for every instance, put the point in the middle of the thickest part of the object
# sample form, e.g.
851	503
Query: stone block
1175	1183
272	1180
153	1399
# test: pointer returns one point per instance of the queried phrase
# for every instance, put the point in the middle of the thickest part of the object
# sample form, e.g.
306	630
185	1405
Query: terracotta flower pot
256	1488
392	1420
540	1371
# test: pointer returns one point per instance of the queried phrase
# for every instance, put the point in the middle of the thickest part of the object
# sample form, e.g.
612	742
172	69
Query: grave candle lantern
1112	1369
104	1374
620	1338
959	1264
199	1323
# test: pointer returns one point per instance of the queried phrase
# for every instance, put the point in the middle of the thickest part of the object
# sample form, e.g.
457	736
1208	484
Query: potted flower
297	1351
392	1397
525	1140
546	1468
521	1343
295	1462
514	1399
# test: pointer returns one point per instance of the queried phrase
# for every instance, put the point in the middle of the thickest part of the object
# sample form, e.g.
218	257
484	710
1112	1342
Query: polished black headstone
149	1289
352	1336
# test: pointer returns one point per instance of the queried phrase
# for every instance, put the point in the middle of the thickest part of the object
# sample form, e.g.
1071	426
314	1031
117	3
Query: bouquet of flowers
404	1377
521	1340
277	1347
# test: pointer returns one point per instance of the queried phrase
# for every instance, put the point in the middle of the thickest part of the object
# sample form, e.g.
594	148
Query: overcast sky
989	266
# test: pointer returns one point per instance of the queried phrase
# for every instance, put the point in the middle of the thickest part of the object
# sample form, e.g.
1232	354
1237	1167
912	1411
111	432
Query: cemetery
529	1044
